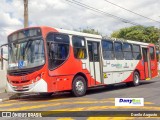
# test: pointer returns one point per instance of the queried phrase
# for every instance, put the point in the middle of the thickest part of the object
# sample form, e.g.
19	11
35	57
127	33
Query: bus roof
78	33
130	41
97	36
136	42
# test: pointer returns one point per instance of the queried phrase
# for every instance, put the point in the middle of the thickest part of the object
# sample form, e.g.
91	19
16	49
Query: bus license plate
19	88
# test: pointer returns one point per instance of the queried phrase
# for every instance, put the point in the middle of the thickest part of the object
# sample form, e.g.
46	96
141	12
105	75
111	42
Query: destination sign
25	33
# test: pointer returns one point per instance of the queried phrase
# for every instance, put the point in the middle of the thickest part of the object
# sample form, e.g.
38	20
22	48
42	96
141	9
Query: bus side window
127	50
107	47
118	50
63	52
136	52
152	54
157	55
58	49
79	47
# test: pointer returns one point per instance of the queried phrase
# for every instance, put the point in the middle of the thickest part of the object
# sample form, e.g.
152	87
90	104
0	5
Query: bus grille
21	73
18	82
25	88
24	71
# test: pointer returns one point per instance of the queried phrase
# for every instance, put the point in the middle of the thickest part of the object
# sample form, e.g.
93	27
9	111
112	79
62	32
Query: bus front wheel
79	86
136	80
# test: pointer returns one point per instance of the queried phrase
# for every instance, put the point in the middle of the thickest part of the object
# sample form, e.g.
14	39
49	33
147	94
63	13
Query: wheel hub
79	86
136	79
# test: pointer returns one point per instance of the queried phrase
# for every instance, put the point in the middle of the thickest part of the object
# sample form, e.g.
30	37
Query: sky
66	15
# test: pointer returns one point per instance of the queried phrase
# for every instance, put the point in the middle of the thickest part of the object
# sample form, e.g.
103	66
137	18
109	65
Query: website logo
129	101
6	114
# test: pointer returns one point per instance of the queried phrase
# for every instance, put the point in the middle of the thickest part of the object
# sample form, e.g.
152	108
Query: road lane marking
148	103
54	104
6	105
32	107
112	99
14	102
42	100
65	99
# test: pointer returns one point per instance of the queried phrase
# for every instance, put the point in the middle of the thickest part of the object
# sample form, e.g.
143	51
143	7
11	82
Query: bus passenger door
146	60
94	61
153	62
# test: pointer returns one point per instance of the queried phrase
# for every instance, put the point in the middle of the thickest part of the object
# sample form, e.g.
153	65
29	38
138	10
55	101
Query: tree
138	33
91	31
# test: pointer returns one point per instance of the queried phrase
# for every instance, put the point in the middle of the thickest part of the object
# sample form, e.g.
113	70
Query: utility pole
25	13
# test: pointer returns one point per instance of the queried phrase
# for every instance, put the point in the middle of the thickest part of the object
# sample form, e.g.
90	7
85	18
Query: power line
102	12
131	11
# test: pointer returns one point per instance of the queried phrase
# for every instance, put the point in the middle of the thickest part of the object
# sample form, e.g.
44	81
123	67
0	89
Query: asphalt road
97	99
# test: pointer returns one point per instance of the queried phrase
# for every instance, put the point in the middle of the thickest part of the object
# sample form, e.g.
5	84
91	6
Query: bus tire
136	80
79	86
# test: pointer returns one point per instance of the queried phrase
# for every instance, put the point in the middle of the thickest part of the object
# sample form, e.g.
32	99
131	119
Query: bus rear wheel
79	86
136	80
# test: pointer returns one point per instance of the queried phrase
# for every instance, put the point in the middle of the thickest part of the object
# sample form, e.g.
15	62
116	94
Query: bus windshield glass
26	54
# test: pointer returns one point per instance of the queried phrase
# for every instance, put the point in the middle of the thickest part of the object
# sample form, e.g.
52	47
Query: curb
4	99
15	96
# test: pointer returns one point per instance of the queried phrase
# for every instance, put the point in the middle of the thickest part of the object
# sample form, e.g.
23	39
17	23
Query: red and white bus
47	60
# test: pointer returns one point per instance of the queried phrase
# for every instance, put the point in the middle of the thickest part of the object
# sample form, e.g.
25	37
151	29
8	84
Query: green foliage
91	31
138	33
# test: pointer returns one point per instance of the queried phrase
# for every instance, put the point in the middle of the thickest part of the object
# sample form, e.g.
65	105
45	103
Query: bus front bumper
39	86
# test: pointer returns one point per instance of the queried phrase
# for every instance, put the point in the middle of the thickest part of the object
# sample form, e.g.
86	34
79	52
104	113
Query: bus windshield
26	54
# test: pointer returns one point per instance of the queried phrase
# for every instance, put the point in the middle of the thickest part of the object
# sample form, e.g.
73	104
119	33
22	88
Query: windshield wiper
28	44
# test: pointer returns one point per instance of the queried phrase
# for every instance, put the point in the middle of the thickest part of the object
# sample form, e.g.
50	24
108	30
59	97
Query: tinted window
118	50
58	49
136	48
136	52
107	47
127	48
58	38
157	55
93	51
151	51
79	47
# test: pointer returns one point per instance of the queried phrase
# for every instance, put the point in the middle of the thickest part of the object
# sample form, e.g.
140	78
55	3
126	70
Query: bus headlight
38	78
